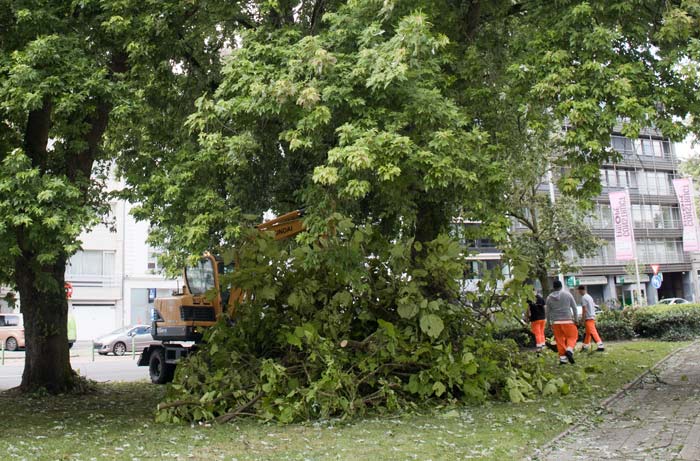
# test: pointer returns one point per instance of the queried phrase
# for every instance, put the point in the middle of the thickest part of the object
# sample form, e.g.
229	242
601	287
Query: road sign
655	268
571	281
656	281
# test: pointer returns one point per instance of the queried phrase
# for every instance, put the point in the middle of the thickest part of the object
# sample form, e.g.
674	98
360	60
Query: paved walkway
657	419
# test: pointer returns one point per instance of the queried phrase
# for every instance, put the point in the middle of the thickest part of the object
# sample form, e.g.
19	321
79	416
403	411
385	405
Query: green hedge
667	323
615	325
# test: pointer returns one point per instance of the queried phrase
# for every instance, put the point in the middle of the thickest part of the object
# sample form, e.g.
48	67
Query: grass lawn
117	423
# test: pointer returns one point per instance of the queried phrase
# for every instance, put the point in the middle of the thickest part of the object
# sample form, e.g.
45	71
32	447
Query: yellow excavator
179	321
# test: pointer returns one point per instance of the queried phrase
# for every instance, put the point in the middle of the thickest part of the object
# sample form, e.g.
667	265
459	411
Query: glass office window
664	183
658	148
622	144
657	219
605	215
638	216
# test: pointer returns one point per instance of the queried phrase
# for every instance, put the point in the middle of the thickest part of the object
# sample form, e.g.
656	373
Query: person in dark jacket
536	316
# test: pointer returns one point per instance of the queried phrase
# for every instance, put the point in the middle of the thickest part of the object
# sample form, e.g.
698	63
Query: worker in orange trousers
560	310
588	311
535	314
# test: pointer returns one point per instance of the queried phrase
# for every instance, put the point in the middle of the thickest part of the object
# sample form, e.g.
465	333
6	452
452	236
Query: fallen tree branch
226	417
177	403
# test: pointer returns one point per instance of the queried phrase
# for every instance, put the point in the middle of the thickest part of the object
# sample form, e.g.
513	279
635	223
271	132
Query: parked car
674	301
12	331
119	341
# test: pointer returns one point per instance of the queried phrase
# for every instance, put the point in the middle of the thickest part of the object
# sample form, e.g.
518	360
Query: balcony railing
90	280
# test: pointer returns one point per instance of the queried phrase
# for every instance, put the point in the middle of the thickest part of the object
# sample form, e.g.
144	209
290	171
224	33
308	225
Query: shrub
615	325
668	323
522	335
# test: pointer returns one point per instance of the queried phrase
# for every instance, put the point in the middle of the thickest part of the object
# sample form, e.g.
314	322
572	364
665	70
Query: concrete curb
616	396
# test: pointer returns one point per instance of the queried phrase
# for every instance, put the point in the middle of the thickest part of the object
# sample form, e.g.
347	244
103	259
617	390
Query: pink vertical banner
689	216
623	225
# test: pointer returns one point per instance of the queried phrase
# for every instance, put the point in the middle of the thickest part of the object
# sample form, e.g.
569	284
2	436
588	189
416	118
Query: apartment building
647	166
646	169
115	276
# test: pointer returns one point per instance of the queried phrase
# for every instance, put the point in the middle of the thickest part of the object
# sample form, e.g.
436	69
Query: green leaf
438	388
294	340
432	325
515	395
407	309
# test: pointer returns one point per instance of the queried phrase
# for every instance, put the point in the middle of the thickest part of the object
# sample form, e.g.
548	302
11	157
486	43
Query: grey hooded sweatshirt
560	307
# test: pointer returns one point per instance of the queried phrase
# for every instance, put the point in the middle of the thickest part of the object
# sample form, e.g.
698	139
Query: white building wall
139	278
111	277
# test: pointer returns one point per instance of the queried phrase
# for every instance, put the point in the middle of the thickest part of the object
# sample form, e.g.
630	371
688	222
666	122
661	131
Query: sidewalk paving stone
657	419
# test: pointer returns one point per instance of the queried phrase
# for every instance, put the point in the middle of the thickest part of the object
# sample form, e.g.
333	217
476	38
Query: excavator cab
183	317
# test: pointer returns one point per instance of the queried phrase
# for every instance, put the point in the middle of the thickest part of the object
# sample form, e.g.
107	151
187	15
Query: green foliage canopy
393	117
73	76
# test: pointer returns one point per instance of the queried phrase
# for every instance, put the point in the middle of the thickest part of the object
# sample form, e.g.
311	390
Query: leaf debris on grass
116	423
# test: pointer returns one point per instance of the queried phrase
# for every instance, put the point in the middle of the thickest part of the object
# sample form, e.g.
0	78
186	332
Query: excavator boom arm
286	226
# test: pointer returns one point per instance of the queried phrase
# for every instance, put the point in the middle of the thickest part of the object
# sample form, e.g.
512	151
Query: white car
674	301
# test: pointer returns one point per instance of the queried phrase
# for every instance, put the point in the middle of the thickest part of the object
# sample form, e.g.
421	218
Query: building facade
115	276
646	169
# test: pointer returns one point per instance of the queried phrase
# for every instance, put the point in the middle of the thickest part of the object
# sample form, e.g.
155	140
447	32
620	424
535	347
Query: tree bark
431	219
45	310
543	277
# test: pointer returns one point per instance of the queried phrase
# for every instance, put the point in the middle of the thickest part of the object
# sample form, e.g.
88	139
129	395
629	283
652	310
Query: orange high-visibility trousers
537	327
566	335
591	331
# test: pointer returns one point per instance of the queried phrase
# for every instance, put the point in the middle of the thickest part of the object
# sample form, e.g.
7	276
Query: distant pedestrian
588	311
560	310
536	316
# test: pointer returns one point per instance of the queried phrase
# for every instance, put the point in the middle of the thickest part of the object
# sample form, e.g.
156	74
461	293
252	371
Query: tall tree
401	113
542	226
396	114
71	73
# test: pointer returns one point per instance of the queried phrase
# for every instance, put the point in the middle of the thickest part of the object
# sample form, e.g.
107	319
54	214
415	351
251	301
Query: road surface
102	369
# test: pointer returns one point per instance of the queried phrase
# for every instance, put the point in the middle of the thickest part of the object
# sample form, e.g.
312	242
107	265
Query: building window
91	263
621	144
153	263
655	183
649	251
647	147
655	216
618	178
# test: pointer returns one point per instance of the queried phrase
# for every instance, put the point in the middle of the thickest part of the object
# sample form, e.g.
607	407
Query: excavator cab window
225	269
200	277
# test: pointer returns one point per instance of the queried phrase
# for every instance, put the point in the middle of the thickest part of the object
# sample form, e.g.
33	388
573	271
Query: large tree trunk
431	219
544	281
45	310
543	276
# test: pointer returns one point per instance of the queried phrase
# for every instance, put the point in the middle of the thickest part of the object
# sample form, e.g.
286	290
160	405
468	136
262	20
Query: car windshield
122	330
200	277
666	301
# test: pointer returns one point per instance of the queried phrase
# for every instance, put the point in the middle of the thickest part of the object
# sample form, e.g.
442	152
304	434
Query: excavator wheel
160	372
